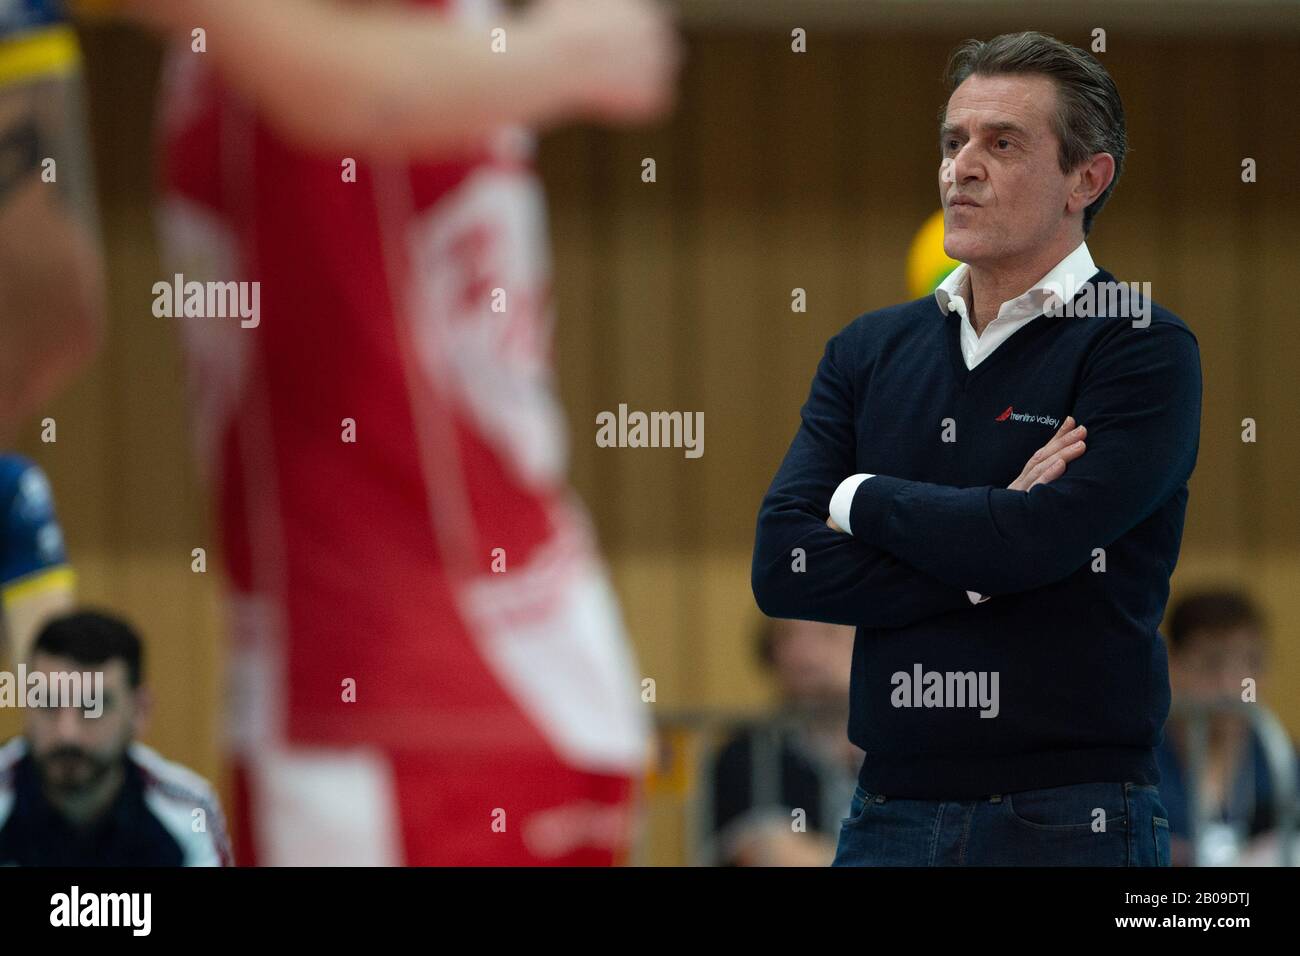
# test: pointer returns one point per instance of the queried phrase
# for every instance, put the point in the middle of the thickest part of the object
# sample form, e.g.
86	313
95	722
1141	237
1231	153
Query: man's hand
1048	463
51	300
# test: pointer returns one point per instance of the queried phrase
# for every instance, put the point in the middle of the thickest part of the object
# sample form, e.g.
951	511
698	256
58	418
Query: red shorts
361	806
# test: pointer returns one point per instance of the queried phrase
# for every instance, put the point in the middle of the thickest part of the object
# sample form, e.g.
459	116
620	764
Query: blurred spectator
76	791
1216	640
801	759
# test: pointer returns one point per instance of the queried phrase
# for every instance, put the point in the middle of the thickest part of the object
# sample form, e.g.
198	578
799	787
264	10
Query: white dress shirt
953	295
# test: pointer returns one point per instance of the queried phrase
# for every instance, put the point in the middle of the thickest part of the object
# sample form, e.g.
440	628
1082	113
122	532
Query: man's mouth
66	766
70	765
963	201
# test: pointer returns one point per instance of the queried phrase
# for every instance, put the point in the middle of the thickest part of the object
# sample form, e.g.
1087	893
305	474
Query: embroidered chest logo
1012	415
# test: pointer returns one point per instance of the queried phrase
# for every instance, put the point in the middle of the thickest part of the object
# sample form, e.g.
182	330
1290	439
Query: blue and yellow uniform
32	557
36	41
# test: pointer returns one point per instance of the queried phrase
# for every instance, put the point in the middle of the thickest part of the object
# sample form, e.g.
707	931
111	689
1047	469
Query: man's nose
964	166
68	725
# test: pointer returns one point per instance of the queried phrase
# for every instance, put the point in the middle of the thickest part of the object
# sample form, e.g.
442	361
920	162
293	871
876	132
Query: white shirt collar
1066	277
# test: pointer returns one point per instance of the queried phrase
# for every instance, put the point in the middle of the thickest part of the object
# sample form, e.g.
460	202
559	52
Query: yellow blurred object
52	51
927	263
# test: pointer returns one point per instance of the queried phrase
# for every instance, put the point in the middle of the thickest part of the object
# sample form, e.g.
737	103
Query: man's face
999	151
1212	665
74	752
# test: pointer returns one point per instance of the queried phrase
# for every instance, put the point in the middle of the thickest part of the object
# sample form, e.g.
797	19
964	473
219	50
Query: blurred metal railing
1279	758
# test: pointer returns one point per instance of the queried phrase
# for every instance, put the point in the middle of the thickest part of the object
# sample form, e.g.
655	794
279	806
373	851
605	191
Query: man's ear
1091	180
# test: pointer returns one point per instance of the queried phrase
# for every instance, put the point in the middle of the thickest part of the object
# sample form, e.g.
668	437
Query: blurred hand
774	843
621	56
1048	463
51	300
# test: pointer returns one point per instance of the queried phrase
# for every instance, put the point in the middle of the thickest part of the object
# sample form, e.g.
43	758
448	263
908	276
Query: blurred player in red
428	662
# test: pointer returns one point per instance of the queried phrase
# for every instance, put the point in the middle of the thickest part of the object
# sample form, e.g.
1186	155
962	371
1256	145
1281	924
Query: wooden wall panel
1207	285
1270	308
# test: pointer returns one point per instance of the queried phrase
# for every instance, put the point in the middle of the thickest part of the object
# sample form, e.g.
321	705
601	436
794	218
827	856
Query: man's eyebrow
1003	126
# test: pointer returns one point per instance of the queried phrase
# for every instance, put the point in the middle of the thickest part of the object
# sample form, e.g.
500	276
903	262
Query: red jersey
406	563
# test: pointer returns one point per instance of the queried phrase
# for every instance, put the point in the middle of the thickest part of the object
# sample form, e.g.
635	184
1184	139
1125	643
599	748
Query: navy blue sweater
1078	569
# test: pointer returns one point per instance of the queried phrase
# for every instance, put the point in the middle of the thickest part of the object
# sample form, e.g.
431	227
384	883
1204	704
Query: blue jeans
1087	824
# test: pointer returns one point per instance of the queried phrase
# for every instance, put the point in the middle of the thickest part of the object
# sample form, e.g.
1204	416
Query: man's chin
961	245
70	779
67	789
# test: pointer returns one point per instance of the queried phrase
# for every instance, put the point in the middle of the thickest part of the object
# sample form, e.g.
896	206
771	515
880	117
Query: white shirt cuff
842	506
842	500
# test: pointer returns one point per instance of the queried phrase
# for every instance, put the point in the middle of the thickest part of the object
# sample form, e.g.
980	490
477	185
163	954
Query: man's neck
84	809
996	283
